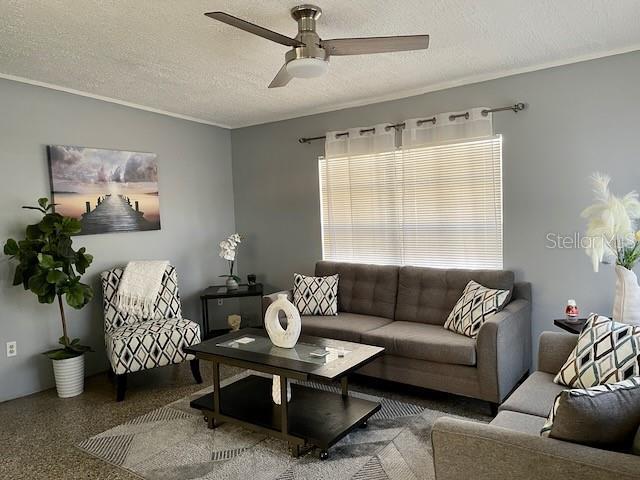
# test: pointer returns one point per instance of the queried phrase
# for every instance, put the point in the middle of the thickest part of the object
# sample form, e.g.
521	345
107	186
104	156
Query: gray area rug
173	442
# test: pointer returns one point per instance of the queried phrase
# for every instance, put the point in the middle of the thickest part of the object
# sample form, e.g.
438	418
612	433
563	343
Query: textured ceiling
167	56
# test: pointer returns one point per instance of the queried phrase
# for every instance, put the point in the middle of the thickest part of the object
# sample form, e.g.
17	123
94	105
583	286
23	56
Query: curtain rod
514	108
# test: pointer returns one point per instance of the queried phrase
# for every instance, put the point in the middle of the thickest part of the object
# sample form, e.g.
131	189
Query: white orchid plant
612	226
228	250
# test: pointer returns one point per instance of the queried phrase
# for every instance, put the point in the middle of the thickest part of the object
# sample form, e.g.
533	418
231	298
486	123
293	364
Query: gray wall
581	118
196	200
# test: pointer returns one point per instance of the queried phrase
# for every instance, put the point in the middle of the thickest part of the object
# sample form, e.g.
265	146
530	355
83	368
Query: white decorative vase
69	375
231	283
278	335
275	390
626	306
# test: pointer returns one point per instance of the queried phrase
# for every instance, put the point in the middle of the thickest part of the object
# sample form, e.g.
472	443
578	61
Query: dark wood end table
220	292
313	417
570	326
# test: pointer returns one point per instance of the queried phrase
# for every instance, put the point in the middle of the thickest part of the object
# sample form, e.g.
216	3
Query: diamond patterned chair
134	344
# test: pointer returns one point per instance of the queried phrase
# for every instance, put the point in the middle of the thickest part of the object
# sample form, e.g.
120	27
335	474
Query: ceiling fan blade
361	46
255	29
281	78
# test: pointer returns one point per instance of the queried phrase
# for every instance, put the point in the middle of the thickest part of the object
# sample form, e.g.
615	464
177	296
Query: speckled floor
38	432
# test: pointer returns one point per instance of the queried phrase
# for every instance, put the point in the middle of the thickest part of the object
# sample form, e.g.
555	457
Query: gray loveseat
404	309
511	445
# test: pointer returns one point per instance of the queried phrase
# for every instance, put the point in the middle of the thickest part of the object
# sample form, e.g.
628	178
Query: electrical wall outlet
12	349
220	302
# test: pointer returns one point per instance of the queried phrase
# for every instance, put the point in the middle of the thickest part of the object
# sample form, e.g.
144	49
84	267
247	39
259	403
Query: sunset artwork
107	190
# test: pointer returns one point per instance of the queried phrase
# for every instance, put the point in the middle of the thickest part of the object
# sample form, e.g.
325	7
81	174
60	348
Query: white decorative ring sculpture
276	392
278	335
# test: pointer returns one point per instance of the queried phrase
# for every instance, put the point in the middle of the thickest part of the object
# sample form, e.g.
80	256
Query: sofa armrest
472	450
554	349
269	299
504	350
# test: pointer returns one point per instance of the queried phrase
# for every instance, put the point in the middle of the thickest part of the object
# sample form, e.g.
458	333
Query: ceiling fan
309	55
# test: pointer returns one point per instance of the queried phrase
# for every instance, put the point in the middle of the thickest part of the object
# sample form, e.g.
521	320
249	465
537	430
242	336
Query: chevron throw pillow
476	304
315	295
606	352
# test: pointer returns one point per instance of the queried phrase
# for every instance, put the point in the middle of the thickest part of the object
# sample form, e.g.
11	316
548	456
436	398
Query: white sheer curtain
359	187
436	201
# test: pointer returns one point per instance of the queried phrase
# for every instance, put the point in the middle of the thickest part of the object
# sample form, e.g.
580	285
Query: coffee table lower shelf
315	417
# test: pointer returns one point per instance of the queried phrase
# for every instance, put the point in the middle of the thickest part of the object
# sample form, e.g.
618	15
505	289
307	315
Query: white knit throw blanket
139	287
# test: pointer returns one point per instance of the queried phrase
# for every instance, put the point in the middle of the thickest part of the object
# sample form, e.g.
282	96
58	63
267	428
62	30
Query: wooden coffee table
313	417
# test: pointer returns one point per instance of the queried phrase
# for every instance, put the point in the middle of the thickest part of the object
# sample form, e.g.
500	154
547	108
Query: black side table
216	292
571	327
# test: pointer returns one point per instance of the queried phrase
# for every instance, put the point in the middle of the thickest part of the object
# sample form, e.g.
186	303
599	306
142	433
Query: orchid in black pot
51	269
228	249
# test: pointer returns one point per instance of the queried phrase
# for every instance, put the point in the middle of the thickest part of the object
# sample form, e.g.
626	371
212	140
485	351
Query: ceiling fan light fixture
307	67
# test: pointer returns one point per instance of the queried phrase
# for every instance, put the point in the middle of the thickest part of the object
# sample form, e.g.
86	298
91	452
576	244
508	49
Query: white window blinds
437	205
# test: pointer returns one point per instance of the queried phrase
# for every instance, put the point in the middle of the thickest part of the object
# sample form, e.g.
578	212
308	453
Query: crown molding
343	105
124	103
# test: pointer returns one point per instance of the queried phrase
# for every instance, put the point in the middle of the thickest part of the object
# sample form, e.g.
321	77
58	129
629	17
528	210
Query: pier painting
107	190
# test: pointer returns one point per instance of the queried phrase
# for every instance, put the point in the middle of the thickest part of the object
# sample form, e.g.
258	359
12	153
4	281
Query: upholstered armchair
134	344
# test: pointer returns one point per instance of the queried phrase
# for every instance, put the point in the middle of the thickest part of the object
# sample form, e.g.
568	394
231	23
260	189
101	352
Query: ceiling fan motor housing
306	16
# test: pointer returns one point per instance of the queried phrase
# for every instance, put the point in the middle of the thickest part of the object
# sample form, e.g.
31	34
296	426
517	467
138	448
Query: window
437	206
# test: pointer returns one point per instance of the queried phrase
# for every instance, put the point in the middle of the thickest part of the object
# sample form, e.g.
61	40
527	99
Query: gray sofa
511	445
404	309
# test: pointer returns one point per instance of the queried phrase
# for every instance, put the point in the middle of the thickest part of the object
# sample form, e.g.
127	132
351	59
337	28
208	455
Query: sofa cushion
520	422
363	289
535	396
605	416
428	295
606	352
423	342
344	326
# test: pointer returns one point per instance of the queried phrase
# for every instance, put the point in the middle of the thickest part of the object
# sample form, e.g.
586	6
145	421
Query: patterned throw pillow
474	307
606	352
315	295
605	416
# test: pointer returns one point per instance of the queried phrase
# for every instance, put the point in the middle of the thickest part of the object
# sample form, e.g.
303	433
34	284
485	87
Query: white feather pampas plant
611	222
612	235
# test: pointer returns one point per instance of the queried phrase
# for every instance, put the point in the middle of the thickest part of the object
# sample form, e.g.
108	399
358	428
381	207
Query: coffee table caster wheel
363	425
206	419
323	455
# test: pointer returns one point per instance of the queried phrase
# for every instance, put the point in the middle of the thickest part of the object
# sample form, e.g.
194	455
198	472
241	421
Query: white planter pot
69	374
278	335
626	306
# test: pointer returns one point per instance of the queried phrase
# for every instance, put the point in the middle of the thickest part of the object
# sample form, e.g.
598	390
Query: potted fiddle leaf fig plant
49	267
